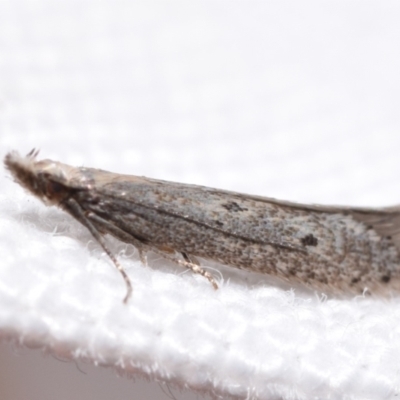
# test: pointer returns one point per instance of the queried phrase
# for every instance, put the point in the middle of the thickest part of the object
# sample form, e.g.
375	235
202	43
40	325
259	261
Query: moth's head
45	179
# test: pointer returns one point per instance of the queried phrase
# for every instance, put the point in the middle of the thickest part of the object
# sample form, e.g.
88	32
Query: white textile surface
293	100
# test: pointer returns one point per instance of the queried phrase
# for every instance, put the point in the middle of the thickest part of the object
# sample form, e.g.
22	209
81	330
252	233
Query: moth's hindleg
192	263
189	262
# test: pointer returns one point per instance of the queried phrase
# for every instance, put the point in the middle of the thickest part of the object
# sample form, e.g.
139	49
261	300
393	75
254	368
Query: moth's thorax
49	180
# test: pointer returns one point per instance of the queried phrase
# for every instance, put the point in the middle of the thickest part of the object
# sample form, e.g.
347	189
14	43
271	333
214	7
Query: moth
344	248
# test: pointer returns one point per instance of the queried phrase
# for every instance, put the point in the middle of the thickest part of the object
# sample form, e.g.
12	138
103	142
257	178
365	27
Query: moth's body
338	247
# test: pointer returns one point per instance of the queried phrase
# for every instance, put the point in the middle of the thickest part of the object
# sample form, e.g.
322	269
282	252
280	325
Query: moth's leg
76	210
95	224
192	263
191	259
188	262
113	230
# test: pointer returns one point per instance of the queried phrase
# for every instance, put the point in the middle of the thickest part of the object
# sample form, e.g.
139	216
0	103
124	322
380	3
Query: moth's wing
385	221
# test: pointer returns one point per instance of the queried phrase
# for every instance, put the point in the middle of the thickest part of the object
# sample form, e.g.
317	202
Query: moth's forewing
336	246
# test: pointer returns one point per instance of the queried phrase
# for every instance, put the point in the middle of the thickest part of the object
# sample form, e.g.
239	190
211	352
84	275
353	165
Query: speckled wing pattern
335	246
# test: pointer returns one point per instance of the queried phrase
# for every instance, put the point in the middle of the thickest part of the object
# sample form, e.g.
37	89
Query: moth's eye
54	188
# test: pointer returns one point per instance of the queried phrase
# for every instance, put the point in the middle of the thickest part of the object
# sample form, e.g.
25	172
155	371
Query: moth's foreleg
108	227
73	207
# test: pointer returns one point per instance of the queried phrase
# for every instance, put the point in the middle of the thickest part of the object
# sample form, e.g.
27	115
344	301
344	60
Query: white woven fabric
294	101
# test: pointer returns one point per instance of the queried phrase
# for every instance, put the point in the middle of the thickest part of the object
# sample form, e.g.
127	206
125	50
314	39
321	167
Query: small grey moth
323	246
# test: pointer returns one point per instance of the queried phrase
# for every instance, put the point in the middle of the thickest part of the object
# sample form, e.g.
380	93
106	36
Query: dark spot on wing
219	223
385	278
233	207
309	240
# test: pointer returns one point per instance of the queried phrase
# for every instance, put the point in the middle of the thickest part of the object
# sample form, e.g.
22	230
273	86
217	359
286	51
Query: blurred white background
295	100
